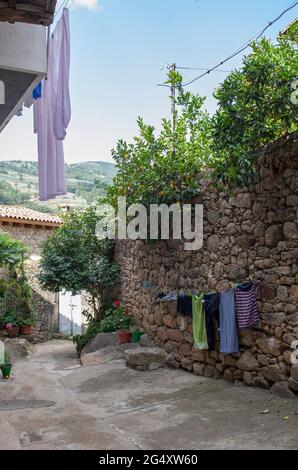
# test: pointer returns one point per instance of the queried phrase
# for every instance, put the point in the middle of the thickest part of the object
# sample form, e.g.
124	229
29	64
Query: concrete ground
53	403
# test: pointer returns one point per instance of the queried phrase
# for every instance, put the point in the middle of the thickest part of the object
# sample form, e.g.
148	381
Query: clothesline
231	310
173	295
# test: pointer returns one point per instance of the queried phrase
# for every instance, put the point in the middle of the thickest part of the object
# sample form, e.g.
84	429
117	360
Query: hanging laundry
198	323
228	323
36	94
211	309
184	304
170	297
247	307
52	113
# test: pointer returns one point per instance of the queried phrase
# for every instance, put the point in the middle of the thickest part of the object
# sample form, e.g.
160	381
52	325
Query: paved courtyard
53	403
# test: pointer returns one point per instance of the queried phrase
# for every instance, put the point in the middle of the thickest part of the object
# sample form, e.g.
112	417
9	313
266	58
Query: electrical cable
245	46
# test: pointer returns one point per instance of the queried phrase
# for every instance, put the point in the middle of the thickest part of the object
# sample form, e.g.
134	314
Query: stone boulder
247	361
146	341
271	346
145	358
103	348
18	347
273	373
282	389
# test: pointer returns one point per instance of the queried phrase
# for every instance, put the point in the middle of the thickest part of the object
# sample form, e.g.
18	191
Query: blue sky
118	49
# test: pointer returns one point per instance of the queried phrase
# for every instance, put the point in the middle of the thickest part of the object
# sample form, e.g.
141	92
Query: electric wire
245	46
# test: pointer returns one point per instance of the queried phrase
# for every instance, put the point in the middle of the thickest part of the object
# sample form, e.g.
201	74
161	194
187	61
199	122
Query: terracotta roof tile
22	213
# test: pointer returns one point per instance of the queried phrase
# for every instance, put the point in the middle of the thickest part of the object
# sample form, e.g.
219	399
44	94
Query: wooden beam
32	12
29	222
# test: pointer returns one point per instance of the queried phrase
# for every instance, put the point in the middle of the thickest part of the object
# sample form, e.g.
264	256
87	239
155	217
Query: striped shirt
246	305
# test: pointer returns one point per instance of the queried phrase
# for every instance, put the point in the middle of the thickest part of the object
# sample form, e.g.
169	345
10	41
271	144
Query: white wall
23	47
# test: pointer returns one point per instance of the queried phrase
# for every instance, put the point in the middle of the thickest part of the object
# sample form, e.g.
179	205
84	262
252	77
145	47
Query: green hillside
85	183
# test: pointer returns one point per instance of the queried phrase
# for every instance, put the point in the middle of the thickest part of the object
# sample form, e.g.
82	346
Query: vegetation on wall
166	166
12	253
15	292
254	107
74	259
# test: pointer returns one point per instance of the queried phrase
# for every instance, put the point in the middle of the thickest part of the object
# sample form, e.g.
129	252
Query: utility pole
172	67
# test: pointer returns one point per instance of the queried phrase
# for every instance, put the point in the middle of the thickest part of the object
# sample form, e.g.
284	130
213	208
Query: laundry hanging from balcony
52	113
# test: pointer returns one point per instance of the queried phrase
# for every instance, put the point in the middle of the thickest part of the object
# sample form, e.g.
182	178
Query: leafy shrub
115	319
75	259
81	341
12	252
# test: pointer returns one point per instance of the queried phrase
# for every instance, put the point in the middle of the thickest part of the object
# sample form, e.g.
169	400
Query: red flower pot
13	331
124	336
26	330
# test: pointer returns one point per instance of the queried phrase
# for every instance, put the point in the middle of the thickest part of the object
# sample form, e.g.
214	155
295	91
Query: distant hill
85	183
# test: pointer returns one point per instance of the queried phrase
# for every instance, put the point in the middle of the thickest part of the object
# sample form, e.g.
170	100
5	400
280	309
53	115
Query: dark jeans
211	309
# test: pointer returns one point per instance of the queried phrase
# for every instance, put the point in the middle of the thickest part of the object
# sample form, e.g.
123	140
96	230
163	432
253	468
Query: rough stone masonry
254	232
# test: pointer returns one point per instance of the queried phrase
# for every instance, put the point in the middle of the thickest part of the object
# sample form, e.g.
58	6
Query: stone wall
44	303
253	232
31	235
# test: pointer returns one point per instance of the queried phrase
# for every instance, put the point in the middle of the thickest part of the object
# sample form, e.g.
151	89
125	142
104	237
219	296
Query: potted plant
10	319
27	323
136	335
124	321
7	366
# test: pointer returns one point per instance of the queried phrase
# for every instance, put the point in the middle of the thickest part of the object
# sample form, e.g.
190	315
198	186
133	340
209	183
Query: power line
245	46
200	68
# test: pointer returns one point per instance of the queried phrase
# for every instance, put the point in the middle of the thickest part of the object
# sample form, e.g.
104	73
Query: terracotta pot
124	336
26	330
13	332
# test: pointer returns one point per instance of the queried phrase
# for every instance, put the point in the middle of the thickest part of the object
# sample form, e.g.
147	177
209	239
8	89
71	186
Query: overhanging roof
28	11
22	215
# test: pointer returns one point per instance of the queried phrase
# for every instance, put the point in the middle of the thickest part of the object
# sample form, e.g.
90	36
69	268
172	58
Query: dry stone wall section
252	232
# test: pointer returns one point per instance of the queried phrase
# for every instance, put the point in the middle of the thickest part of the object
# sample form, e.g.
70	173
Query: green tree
254	108
165	166
75	260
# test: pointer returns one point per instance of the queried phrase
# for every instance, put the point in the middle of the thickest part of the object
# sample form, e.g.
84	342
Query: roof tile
22	213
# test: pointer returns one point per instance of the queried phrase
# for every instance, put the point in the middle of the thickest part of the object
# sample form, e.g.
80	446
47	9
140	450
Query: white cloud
89	4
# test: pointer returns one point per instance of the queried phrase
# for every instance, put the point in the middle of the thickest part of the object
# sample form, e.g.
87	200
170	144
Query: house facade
33	228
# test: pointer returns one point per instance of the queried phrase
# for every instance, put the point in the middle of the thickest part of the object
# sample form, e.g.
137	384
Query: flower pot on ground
12	324
117	319
27	322
12	330
136	336
26	330
6	371
7	366
124	336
